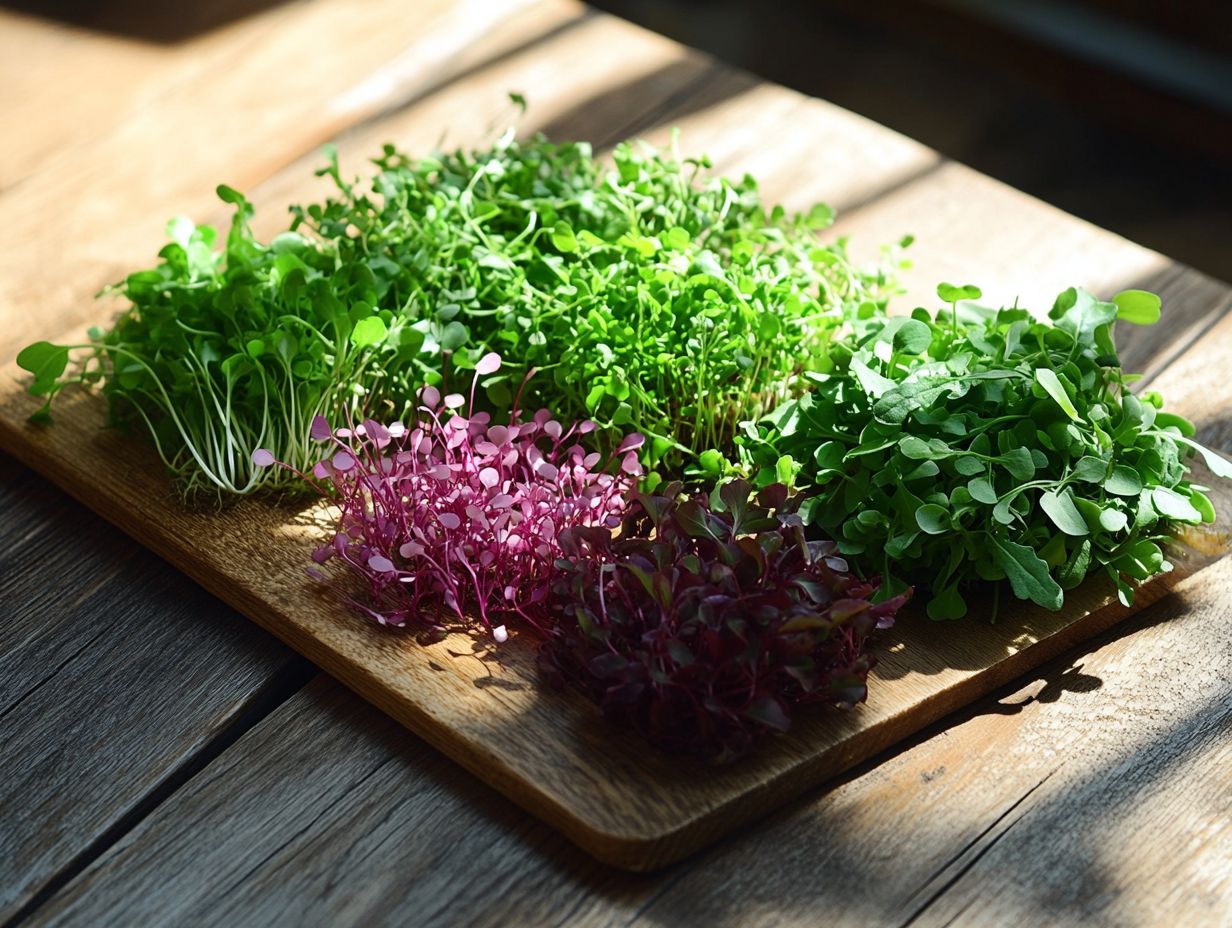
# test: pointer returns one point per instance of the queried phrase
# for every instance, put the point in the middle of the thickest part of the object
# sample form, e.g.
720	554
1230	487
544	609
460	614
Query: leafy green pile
648	296
224	352
954	451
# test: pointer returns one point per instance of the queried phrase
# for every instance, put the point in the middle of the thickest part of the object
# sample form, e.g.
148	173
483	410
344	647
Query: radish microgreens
449	519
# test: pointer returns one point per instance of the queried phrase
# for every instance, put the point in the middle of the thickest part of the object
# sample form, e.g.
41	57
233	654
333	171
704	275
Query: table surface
165	761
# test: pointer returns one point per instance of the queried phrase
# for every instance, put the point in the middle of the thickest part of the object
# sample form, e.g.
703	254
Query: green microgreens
648	295
975	446
221	353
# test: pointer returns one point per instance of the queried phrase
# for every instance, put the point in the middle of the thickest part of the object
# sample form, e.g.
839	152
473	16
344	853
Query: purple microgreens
448	519
705	621
320	430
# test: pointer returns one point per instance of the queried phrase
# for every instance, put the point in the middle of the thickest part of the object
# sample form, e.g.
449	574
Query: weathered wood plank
972	229
329	813
376	665
115	675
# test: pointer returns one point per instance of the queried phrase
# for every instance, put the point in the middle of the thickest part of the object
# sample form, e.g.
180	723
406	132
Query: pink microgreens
451	515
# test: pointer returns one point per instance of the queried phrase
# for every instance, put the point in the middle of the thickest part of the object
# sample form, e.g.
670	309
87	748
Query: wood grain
1091	792
93	628
482	706
479	707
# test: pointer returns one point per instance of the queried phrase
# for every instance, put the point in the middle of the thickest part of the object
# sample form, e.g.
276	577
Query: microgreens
707	620
448	519
222	352
649	295
961	450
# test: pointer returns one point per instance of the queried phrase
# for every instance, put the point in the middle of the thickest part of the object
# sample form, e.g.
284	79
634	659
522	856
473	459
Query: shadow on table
1062	863
166	23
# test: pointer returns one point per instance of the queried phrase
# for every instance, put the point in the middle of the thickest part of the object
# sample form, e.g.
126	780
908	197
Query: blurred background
1118	111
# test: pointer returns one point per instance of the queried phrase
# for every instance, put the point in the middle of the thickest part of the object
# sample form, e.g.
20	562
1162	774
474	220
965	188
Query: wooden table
165	762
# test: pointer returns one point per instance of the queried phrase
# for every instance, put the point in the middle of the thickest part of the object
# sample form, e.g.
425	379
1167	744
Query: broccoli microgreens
959	450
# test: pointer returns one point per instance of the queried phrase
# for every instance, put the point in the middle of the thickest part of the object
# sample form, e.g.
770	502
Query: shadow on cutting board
165	23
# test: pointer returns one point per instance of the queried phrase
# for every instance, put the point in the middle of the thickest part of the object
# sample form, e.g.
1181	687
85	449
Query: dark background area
1118	111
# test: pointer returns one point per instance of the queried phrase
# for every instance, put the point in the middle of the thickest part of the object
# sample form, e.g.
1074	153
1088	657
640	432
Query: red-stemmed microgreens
706	621
449	519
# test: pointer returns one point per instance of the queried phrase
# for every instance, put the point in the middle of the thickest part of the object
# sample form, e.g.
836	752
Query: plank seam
668	885
966	868
976	840
674	103
262	702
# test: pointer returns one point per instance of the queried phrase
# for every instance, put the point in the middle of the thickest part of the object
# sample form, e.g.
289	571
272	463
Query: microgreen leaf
1138	306
933	519
46	362
1047	378
1219	465
369	332
1064	514
1027	573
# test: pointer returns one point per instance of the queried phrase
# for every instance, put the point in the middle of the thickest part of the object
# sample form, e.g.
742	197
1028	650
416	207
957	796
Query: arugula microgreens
648	295
958	450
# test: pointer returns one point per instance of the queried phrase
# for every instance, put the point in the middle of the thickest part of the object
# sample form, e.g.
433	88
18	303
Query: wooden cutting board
482	704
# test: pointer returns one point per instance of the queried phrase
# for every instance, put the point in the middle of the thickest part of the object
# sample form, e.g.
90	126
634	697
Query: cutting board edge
642	851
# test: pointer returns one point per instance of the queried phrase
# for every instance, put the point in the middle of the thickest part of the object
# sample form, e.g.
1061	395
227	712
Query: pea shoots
222	352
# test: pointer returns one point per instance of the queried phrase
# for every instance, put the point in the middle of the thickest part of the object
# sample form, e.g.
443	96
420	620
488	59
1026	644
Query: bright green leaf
1028	575
1137	306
